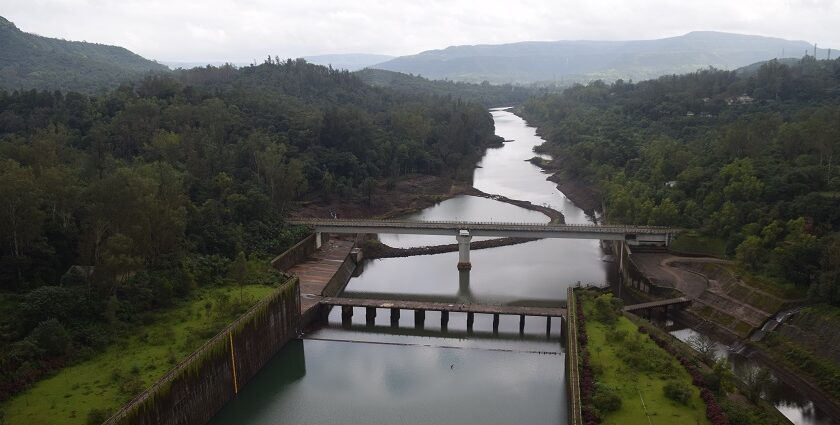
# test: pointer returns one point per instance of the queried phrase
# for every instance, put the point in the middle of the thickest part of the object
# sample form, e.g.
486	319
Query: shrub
51	337
97	416
677	391
606	399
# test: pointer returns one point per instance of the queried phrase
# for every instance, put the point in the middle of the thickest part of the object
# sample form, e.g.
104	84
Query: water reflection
364	383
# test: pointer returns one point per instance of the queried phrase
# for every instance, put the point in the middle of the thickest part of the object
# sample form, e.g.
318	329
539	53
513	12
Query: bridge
465	230
420	308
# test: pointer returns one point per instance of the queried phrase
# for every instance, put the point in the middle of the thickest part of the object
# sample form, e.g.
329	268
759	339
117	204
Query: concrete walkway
317	270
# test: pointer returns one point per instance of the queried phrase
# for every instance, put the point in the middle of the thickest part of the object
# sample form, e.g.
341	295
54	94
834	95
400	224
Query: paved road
658	268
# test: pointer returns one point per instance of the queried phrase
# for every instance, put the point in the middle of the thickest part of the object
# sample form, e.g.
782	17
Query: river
378	374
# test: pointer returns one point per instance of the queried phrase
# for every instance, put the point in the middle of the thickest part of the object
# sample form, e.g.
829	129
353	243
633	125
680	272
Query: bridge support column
346	315
496	323
470	321
444	320
521	324
464	250
419	319
395	317
548	325
317	240
370	315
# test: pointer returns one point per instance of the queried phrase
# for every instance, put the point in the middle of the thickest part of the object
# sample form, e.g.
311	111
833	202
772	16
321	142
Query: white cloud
243	30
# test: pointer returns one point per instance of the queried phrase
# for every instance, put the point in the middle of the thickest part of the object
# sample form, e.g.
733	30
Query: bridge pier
548	325
496	323
463	239
370	315
521	324
444	320
419	319
317	240
346	315
395	317
470	321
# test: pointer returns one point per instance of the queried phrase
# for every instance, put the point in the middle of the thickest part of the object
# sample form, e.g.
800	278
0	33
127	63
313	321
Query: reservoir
378	374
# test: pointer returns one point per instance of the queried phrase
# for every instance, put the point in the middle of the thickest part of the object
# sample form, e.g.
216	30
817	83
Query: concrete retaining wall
198	387
296	254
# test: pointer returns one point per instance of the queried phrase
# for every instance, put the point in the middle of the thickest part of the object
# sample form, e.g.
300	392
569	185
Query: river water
374	373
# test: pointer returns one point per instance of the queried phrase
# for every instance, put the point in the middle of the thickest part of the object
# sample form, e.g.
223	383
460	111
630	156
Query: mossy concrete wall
198	387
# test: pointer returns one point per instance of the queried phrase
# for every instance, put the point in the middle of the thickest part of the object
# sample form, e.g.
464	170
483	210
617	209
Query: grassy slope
68	396
629	383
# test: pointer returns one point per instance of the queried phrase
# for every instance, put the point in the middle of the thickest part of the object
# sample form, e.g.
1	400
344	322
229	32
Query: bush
97	416
677	391
606	399
51	337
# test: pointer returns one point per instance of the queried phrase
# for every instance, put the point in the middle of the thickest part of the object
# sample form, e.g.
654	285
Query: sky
242	31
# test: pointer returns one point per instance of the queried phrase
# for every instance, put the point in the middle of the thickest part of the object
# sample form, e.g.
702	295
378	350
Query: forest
119	204
748	158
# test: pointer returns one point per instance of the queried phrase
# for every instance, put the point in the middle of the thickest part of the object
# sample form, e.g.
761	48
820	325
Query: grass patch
132	362
636	369
784	290
694	243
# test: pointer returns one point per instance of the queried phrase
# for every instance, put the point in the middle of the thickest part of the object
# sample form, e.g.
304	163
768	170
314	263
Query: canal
379	374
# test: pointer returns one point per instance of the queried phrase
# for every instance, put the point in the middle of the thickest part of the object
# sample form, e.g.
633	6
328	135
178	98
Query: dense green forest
30	61
750	158
119	204
489	95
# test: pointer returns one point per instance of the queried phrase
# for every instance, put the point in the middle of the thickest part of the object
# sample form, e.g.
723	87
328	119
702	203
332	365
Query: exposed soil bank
555	216
375	249
584	195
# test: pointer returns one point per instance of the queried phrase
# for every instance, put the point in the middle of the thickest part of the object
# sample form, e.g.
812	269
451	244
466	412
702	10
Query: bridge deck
659	303
433	306
534	230
317	270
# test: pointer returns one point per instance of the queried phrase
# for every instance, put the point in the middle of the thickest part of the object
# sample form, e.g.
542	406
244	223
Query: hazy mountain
348	61
30	61
572	61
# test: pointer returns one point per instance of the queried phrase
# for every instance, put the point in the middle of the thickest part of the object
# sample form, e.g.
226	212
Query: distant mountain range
348	61
581	61
30	61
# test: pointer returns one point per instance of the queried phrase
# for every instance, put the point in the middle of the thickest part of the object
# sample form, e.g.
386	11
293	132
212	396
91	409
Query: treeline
748	158
118	204
489	95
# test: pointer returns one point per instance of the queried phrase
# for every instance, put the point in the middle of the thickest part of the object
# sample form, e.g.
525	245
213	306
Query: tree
239	271
750	253
20	215
756	380
705	346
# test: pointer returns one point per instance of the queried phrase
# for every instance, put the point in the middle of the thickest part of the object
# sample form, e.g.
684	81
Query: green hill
29	61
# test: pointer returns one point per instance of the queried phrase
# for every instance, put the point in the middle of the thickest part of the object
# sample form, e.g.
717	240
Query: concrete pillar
346	314
395	317
317	240
521	324
444	320
470	321
370	315
548	325
419	319
496	323
464	250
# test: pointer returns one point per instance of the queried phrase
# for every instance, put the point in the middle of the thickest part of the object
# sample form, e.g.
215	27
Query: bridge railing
468	224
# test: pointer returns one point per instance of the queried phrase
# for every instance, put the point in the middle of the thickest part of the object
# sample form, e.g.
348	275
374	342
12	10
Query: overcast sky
244	30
